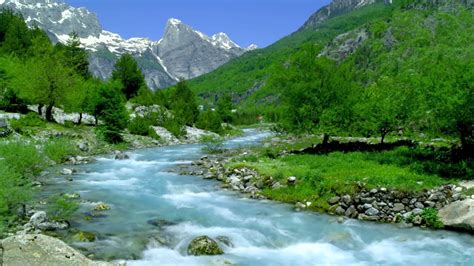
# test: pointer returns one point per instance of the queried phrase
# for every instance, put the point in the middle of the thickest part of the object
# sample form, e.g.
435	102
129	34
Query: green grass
60	149
321	177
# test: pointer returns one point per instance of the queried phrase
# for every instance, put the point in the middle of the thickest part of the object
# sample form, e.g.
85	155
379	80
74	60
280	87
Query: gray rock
83	146
347	199
334	200
419	205
38	218
397	207
121	156
291	180
351	212
340	211
67	171
37	250
372	212
204	246
459	214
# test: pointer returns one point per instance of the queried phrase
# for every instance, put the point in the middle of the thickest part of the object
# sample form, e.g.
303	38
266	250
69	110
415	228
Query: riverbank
29	150
360	185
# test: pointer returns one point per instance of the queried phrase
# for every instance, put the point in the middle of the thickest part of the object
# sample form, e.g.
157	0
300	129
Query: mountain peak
222	40
174	22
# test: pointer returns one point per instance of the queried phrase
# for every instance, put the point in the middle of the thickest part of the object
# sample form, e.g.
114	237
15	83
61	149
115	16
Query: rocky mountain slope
182	52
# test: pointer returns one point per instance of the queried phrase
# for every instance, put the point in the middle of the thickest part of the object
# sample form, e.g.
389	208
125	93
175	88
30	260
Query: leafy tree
224	108
210	120
43	79
15	37
183	104
126	71
109	106
74	56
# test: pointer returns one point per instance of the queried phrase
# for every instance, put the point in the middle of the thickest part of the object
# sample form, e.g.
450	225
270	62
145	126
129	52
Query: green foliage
27	121
109	106
126	71
183	104
431	218
210	120
13	193
22	158
174	126
147	97
212	144
74	56
224	108
62	208
60	149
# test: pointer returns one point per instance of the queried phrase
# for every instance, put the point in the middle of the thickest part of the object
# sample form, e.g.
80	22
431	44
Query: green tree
109	107
74	56
43	79
224	108
126	71
15	37
183	104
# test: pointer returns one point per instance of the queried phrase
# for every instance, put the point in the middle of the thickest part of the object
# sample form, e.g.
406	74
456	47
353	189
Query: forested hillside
404	69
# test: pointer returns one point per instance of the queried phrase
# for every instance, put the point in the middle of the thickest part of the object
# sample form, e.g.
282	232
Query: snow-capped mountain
182	52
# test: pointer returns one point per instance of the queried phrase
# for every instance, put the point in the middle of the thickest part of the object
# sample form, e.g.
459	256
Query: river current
155	213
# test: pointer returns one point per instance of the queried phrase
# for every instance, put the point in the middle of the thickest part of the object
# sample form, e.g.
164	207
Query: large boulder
204	246
458	215
39	250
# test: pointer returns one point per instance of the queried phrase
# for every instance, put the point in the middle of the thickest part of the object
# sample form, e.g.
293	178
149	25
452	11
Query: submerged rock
121	156
101	207
84	237
204	246
67	171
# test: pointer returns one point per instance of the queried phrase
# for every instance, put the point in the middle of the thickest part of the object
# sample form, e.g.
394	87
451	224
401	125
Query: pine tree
126	71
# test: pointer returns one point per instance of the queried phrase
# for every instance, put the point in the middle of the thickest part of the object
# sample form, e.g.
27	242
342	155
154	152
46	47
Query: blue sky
245	21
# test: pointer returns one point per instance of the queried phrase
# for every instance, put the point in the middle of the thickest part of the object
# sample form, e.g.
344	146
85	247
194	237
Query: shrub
431	218
58	150
175	126
212	144
22	158
140	126
62	208
29	120
210	120
13	193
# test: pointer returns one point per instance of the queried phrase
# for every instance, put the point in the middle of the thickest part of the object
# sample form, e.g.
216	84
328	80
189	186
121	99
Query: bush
210	120
175	126
62	208
13	193
212	144
60	149
431	218
29	120
22	158
140	126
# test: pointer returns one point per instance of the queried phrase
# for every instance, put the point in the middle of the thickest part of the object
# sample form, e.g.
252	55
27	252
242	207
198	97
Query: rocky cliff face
335	8
182	52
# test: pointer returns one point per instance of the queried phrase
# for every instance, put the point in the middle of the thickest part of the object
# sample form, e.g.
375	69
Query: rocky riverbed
456	210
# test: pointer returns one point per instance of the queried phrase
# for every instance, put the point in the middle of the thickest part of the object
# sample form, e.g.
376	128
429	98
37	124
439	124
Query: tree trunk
79	121
49	113
40	109
384	133
96	120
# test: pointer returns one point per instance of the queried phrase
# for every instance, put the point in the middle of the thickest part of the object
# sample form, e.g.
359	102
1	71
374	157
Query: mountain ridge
161	67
